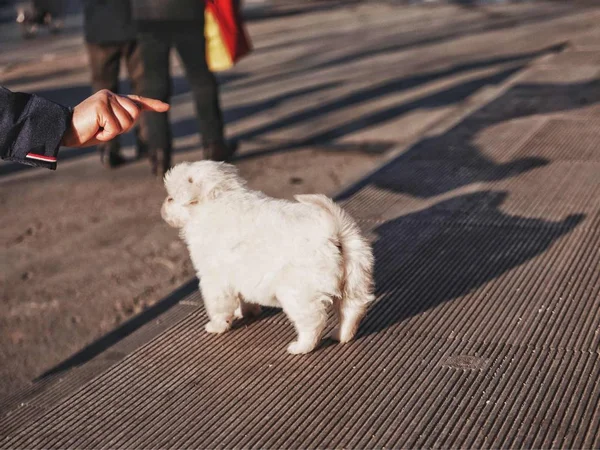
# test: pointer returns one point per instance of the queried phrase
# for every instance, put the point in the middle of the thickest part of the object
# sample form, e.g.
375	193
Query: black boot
141	146
110	156
220	150
160	161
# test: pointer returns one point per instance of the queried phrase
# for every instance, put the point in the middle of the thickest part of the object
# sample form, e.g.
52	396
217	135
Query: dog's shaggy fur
249	250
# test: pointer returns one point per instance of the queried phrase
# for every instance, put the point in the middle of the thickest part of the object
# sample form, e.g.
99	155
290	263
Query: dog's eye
193	202
190	180
170	199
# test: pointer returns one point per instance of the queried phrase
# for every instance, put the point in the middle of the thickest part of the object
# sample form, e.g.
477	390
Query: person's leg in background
135	69
51	12
155	46
190	43
104	63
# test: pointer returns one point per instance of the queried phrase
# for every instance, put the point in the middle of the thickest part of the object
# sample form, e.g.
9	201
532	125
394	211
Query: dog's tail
357	259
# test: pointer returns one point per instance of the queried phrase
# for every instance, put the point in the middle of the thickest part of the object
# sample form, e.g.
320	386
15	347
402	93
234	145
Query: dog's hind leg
349	317
309	318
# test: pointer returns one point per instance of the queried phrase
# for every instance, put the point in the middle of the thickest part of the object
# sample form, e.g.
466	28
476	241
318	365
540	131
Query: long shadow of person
430	257
440	164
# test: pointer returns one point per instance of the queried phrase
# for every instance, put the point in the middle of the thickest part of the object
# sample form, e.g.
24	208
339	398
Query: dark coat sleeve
31	128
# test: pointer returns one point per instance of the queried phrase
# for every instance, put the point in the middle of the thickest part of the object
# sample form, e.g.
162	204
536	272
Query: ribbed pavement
485	333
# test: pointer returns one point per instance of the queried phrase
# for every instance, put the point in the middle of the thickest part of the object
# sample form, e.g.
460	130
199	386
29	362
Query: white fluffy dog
250	250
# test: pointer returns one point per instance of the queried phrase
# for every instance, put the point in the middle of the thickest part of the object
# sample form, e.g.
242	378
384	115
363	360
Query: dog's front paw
216	326
299	348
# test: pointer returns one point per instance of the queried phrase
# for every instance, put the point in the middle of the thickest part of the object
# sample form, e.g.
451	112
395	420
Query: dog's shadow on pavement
430	257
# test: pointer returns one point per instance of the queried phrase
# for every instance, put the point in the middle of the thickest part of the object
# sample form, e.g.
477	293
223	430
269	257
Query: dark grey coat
167	10
108	21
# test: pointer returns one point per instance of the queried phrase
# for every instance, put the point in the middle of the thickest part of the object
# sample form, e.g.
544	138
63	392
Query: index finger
149	104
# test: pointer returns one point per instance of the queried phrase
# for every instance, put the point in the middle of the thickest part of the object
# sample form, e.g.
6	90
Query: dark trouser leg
191	46
135	68
104	64
155	47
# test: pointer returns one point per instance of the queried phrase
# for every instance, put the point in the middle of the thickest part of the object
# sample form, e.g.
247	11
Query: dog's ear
213	185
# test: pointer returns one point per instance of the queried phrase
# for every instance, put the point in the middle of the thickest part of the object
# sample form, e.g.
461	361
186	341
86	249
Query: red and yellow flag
226	37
